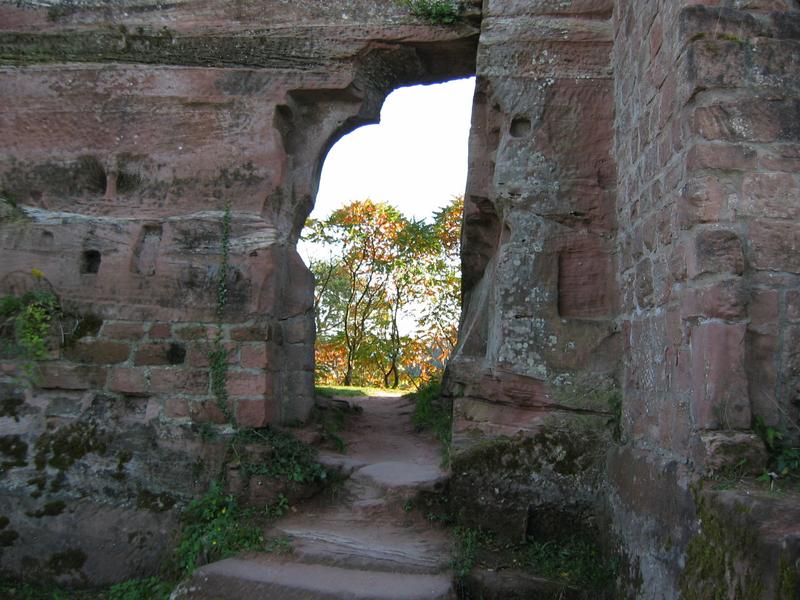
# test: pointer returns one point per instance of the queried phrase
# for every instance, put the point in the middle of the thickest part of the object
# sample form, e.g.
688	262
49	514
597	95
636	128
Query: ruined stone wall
538	352
630	282
128	129
706	144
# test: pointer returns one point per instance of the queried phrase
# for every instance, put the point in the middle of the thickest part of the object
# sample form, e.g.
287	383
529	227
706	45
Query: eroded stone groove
630	279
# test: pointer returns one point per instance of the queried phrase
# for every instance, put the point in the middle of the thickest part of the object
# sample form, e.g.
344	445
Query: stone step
356	543
263	577
399	476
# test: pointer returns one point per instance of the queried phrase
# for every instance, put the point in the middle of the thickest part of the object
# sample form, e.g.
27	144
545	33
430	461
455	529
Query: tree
364	234
384	273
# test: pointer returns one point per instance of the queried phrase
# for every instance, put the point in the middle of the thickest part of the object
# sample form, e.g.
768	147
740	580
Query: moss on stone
8	537
153	502
714	559
71	559
15	449
51	509
10	404
63	447
788	581
123	458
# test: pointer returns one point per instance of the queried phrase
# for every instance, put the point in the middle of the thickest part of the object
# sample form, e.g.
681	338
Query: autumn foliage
387	293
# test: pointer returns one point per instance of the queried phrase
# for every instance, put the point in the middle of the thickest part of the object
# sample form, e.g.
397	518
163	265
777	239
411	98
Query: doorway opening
383	241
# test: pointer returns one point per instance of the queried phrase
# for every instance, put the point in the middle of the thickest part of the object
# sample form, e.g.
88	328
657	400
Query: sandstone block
194	333
644	283
703	200
198	354
126	380
763	362
730	450
720	156
771	195
255	413
720	397
793	305
160	331
101	352
764	310
718	300
160	354
206	411
176	408
122	330
781	157
241	383
164	380
249	333
254	356
71	377
774	245
713	251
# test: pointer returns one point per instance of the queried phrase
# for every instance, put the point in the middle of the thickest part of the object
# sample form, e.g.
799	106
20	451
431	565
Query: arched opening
383	241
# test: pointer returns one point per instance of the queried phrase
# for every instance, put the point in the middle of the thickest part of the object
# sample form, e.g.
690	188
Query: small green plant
278	508
213	528
468	541
784	458
26	321
433	413
574	561
151	588
289	458
435	12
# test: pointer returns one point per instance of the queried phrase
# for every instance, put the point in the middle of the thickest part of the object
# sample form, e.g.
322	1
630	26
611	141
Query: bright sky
415	159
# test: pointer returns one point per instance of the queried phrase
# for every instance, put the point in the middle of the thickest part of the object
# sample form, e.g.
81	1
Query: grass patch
573	561
433	413
214	527
285	457
330	418
435	12
151	588
347	391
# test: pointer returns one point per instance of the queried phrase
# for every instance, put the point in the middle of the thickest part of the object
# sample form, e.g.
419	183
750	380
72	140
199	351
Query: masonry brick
122	330
206	411
725	299
774	245
246	384
725	157
126	380
770	195
71	377
250	333
176	408
254	356
160	331
720	398
714	251
255	413
166	353
164	380
101	352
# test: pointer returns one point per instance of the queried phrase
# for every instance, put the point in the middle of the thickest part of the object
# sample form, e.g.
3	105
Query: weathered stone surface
630	273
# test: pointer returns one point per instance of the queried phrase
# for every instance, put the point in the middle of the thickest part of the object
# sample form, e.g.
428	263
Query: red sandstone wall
538	339
706	143
127	130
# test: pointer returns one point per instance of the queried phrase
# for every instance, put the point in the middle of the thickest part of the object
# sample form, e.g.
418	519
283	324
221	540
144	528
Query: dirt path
363	543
